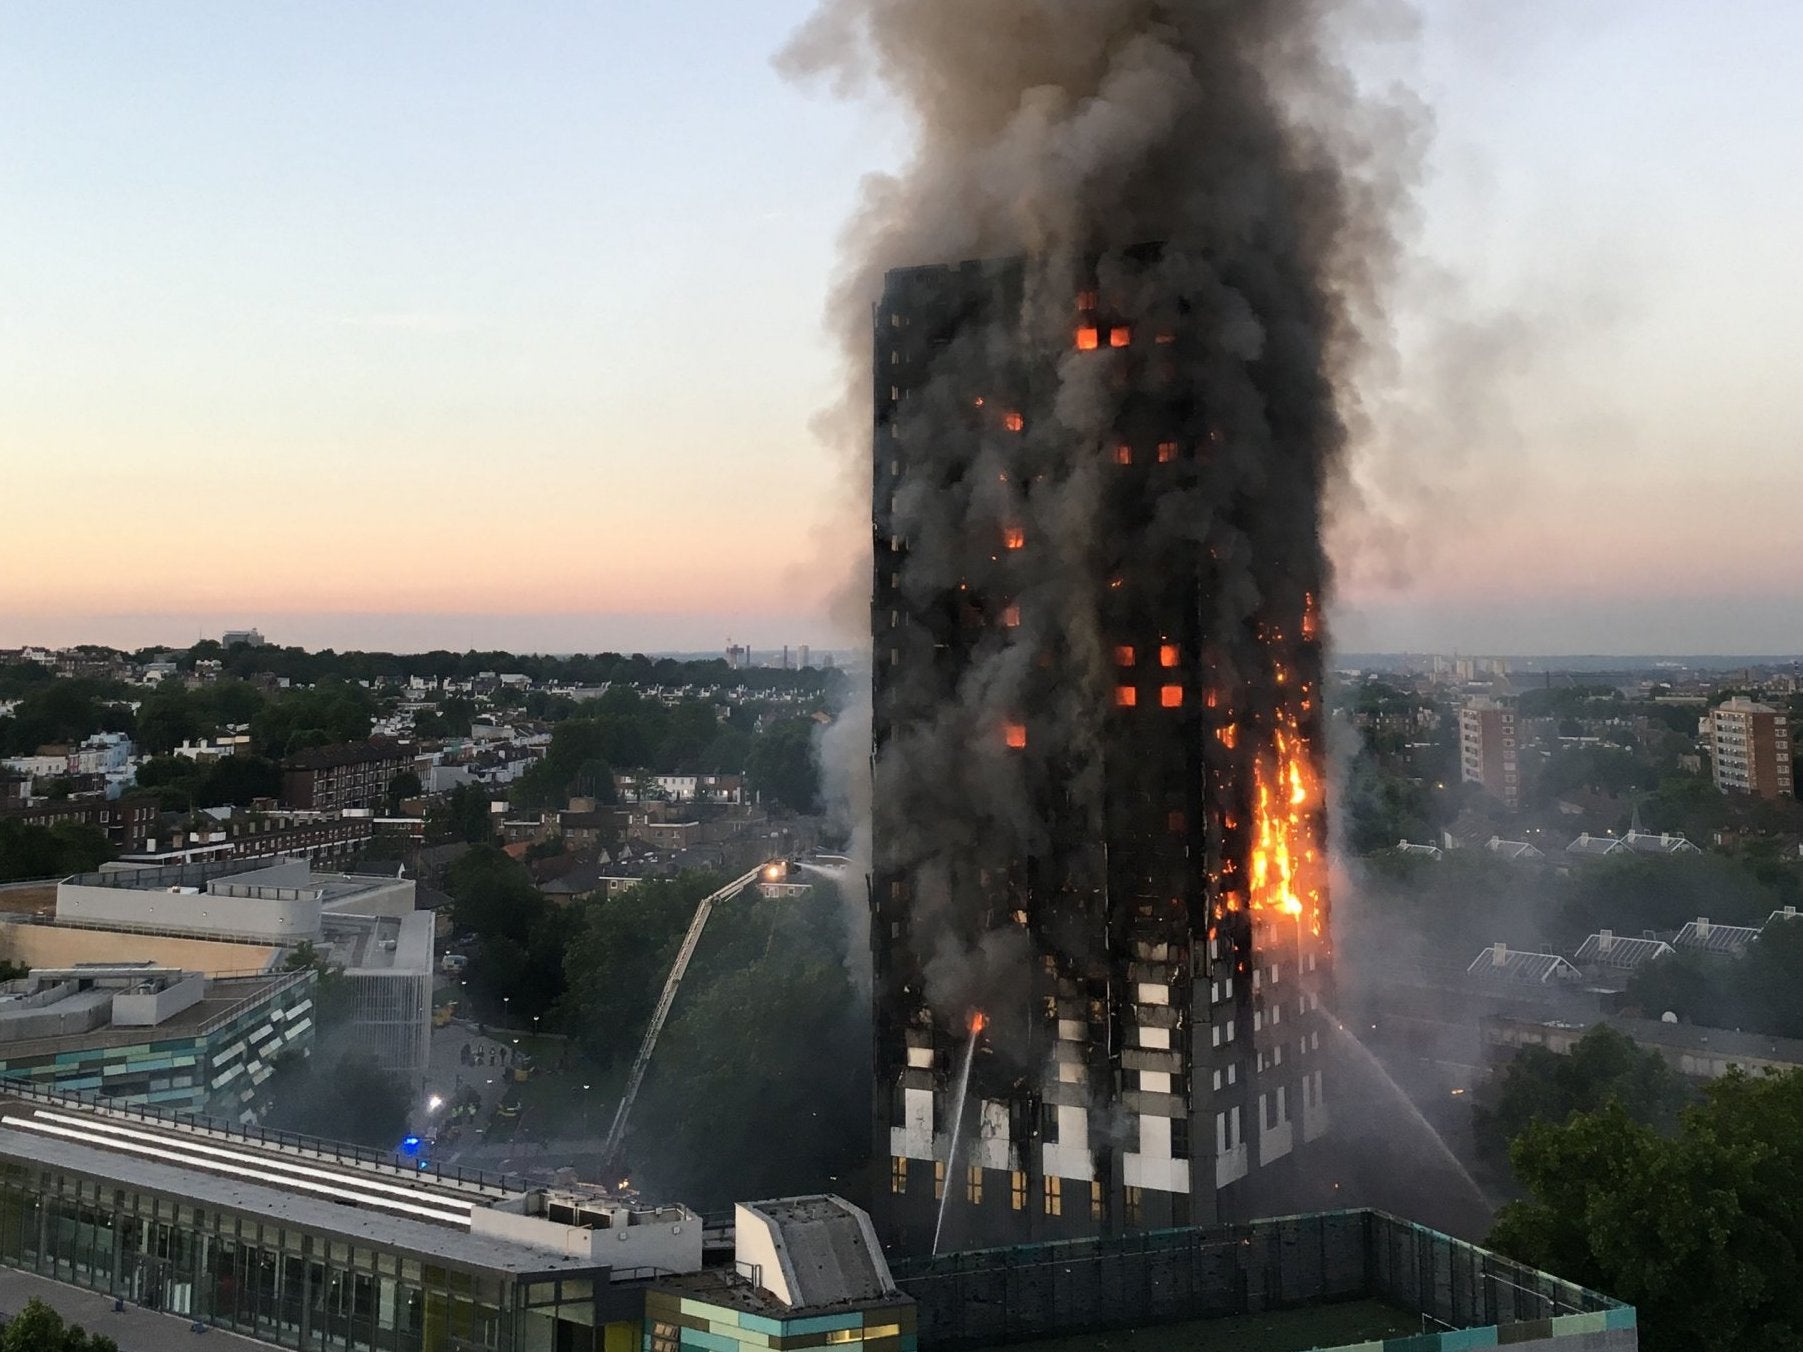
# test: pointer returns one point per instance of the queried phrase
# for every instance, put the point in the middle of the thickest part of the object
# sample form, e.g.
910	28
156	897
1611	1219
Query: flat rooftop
224	997
352	1195
273	878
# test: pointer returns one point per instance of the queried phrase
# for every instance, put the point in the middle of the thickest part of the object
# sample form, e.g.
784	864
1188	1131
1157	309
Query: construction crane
616	1134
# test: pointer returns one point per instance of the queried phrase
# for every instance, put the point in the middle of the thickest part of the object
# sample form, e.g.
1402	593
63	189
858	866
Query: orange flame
1286	853
978	1022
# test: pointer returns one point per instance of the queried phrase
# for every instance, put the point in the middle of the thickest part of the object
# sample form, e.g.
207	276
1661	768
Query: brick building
351	775
1750	749
1489	747
127	822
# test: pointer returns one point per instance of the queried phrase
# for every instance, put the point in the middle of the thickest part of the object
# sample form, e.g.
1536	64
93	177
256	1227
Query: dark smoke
1073	133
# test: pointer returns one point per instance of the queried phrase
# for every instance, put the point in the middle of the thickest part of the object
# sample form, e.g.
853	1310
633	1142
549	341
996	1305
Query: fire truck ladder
616	1134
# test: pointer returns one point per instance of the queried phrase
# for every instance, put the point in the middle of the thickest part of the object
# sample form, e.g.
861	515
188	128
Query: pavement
447	1075
135	1329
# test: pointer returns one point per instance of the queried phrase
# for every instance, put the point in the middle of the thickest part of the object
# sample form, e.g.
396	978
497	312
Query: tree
54	851
402	787
1603	1067
617	956
39	1328
1698	1230
492	895
759	1084
462	815
783	767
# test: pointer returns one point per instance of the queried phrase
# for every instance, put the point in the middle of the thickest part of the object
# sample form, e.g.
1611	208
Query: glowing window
1095	1201
1171	696
898	1173
1014	422
1086	300
1054	1195
1119	336
1125	656
1017	1190
1123	454
938	1178
1167	452
1011	617
1126	696
1168	656
1015	537
1088	339
1016	735
973	1186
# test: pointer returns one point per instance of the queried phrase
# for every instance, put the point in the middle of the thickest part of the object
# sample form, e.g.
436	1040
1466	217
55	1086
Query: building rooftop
1608	949
1703	936
224	998
348	753
1503	963
1658	842
476	1221
1598	846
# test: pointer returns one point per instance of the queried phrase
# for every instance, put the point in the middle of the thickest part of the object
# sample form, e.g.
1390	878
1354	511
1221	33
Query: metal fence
987	1297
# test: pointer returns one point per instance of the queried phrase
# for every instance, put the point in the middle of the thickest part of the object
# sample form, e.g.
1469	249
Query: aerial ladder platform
616	1135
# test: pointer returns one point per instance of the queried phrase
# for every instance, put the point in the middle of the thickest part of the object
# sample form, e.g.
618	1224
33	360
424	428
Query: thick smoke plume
1212	171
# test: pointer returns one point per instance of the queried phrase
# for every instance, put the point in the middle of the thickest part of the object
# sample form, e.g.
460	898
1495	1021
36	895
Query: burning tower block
1099	829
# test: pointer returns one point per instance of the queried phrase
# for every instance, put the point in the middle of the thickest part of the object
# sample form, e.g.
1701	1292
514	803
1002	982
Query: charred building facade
1099	886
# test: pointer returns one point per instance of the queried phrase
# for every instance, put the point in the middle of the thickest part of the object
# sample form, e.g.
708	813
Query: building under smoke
1098	830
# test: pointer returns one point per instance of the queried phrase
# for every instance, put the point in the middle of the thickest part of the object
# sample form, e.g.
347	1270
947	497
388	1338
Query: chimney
1605	941
1499	955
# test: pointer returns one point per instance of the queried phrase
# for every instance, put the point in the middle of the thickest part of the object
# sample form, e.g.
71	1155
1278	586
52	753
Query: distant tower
802	662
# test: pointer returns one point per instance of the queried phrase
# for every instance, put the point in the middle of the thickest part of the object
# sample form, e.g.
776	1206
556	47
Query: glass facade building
283	1283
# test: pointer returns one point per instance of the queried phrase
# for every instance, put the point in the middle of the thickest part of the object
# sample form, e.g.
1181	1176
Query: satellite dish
1668	1017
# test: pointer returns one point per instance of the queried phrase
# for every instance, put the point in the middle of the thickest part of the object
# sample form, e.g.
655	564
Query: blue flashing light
410	1145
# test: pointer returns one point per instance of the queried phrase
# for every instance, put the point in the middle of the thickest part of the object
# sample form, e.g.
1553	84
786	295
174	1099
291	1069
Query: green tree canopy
782	766
1699	1230
1603	1067
54	851
492	895
618	955
39	1328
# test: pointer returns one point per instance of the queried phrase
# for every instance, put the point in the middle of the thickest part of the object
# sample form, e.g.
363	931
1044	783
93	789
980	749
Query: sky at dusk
474	325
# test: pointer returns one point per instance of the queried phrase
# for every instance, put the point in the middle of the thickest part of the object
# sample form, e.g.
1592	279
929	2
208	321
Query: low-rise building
352	775
306	1244
136	1033
127	821
234	917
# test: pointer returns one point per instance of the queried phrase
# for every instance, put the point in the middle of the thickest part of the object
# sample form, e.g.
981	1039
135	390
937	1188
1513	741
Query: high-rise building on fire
1099	895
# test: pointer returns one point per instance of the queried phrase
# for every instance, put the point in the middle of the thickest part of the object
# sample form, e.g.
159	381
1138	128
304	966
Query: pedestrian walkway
134	1329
